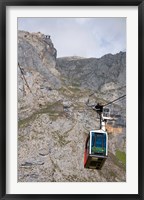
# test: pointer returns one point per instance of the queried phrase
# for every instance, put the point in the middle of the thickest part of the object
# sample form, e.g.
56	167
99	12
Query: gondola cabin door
96	149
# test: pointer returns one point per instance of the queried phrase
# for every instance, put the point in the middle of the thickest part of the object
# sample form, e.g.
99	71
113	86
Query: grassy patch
72	178
121	156
74	88
61	139
51	108
54	110
66	92
112	174
54	116
24	122
117	161
21	138
76	84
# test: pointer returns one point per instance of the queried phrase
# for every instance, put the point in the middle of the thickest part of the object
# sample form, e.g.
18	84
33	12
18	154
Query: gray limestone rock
53	119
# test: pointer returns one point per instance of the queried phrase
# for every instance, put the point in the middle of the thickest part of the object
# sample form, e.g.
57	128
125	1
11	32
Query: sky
84	37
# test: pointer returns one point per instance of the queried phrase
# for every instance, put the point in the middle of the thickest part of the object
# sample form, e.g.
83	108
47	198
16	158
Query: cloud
82	21
87	37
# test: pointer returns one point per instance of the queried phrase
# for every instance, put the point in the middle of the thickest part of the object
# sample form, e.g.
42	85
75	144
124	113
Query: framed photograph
71	108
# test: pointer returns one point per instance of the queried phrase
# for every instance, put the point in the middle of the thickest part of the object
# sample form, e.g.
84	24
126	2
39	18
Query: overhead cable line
24	78
115	100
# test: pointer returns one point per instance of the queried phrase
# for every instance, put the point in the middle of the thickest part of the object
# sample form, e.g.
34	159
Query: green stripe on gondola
98	150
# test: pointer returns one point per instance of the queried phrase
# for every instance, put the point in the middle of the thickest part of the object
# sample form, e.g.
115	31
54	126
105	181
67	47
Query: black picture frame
3	126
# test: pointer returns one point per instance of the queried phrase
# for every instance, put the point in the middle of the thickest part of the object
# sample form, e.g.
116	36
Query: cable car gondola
96	146
96	149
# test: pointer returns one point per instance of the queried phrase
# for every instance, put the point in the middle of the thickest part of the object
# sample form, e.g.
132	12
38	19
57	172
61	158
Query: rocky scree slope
53	120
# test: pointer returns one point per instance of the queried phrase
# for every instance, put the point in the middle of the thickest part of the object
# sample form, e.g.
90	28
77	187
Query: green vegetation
65	91
72	177
121	156
74	89
117	161
61	139
22	138
26	121
53	109
54	116
112	174
76	84
70	90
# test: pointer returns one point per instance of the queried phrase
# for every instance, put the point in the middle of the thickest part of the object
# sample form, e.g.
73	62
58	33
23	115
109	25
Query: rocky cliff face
100	75
36	51
54	120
